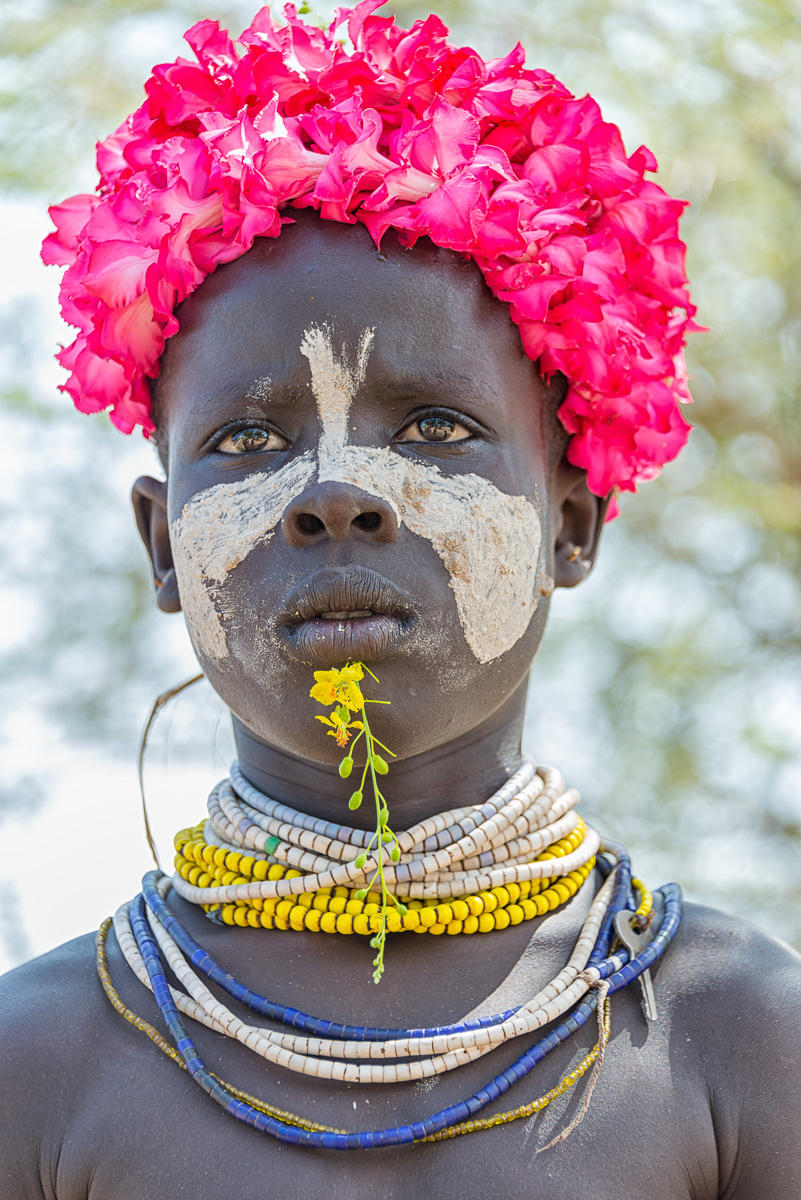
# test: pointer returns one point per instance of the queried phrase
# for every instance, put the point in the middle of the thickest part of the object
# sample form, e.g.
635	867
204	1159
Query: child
368	462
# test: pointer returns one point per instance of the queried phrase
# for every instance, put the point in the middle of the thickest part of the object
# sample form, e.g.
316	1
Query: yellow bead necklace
338	910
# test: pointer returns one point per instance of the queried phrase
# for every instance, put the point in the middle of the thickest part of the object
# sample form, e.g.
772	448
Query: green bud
383	816
361	859
395	853
402	909
375	942
362	892
345	767
355	800
380	764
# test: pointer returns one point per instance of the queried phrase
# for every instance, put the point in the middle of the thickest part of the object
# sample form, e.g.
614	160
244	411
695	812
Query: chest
148	1130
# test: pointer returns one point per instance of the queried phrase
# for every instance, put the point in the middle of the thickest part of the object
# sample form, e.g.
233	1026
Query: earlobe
149	499
579	519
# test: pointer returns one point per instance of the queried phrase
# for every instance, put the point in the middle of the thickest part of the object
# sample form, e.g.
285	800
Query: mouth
345	613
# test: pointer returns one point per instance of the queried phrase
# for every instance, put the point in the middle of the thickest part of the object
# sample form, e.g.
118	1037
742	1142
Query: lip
345	613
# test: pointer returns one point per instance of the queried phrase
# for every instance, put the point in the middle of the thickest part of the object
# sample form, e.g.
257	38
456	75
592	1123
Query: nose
338	511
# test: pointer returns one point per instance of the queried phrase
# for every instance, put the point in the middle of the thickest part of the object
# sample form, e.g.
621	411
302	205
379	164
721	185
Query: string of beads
101	963
340	910
460	852
614	969
529	1109
522	853
424	1053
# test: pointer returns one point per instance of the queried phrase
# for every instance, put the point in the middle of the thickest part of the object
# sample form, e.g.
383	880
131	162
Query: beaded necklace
513	850
510	839
340	910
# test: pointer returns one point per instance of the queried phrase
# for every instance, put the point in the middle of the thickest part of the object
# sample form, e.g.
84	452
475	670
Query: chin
437	690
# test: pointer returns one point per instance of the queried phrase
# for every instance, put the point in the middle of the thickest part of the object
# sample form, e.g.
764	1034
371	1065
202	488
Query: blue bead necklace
614	971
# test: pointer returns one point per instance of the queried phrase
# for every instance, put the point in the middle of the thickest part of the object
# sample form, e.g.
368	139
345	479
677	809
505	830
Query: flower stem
379	941
339	687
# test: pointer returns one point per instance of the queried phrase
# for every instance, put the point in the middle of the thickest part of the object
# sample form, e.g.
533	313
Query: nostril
308	523
368	520
335	510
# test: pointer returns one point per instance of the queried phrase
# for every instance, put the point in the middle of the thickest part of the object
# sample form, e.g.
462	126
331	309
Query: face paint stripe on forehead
333	383
260	390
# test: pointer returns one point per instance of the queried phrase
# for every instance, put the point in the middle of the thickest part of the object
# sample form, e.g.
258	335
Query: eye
435	428
251	438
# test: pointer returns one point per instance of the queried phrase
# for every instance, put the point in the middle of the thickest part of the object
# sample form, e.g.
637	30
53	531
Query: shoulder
49	996
56	1017
734	995
725	960
733	981
50	1035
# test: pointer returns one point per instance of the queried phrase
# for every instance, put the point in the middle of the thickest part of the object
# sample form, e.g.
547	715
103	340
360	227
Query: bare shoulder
50	1036
49	999
734	993
725	961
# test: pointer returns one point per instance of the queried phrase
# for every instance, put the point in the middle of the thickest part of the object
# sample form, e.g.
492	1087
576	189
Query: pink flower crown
404	131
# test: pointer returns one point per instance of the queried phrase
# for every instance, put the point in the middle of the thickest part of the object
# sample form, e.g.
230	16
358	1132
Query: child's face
357	468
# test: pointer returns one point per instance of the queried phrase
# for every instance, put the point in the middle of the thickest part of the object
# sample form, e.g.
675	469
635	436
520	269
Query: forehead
432	314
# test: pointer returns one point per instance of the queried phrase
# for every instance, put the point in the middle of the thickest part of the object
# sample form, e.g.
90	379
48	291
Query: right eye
251	439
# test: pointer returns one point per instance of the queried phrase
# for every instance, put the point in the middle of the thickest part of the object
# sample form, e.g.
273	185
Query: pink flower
403	131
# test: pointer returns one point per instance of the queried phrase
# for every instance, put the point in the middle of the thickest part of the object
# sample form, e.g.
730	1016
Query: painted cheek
489	542
215	531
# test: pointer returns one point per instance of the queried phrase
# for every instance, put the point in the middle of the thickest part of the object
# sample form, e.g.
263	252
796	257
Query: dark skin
705	1103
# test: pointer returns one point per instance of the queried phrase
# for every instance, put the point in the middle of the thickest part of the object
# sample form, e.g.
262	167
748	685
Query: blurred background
669	686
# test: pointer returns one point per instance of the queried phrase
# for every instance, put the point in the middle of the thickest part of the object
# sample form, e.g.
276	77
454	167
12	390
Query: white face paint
489	541
216	530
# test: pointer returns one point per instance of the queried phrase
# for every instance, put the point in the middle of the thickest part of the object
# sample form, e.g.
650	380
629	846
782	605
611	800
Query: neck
461	772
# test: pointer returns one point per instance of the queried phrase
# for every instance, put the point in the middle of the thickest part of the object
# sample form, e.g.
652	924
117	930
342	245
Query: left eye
435	428
250	439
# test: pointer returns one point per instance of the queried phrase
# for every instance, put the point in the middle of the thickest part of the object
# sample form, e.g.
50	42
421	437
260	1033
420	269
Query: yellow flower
340	726
325	690
339	686
350	694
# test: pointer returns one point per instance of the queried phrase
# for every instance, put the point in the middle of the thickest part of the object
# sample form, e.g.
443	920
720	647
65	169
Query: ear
149	499
578	518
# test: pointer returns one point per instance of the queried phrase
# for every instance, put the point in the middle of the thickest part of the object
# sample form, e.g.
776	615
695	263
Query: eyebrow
264	386
452	387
